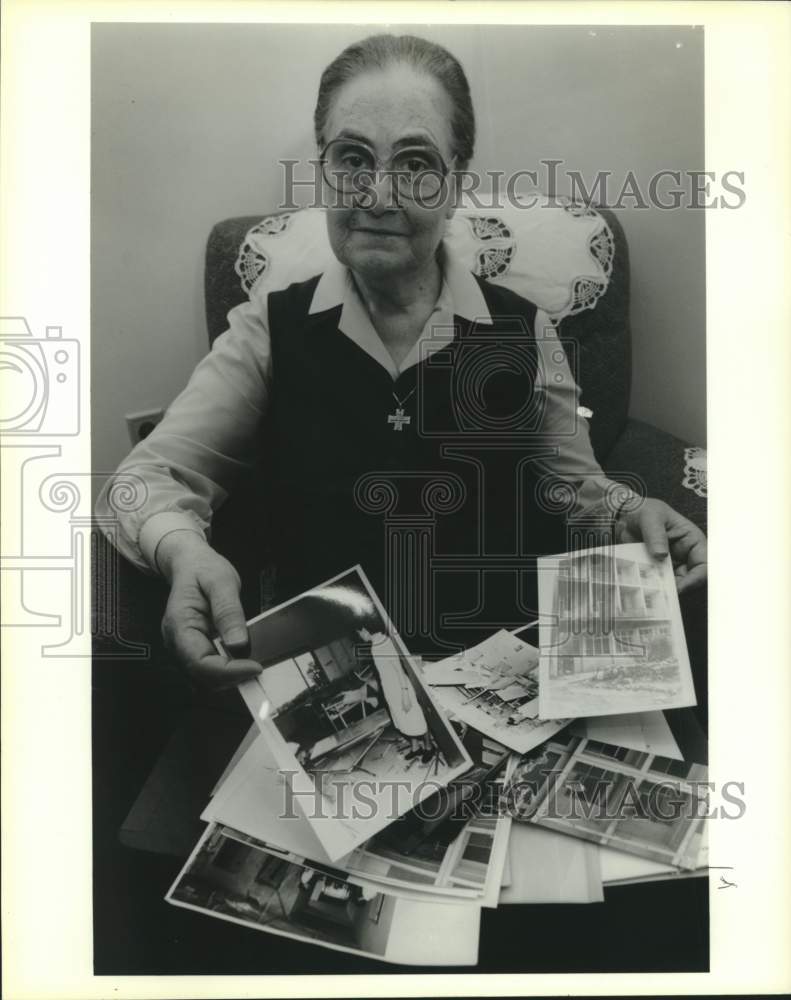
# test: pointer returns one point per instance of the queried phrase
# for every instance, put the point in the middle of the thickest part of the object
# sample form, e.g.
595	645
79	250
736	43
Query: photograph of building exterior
627	799
611	635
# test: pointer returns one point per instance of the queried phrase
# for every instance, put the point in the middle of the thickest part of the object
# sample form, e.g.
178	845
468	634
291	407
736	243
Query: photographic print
494	687
463	853
236	880
611	637
346	711
647	731
627	799
620	868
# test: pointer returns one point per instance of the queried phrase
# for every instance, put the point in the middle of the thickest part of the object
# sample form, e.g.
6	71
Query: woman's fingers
188	638
200	605
688	578
216	672
227	615
663	530
653	529
688	549
690	561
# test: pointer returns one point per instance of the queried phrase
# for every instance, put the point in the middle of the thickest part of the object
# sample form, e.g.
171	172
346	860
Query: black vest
440	514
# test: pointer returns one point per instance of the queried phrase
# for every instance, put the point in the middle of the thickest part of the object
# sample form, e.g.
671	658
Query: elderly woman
352	372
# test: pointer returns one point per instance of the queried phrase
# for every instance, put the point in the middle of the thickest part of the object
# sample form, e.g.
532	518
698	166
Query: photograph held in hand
344	710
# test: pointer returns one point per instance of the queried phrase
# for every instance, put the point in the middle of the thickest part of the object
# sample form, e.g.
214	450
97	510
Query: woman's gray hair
381	51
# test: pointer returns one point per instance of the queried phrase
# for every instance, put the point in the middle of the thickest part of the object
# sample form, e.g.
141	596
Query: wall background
189	121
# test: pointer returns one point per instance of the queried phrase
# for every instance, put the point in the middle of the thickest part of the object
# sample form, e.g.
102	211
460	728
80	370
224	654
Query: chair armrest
658	459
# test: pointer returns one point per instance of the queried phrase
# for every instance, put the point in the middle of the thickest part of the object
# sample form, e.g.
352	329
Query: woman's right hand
204	602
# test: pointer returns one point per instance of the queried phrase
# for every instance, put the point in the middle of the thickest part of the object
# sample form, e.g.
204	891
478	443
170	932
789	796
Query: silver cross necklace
398	419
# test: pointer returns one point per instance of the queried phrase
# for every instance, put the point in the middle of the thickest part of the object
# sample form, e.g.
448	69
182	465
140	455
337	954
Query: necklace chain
408	396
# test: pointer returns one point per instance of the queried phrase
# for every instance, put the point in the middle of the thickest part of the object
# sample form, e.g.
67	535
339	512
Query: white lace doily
556	254
695	471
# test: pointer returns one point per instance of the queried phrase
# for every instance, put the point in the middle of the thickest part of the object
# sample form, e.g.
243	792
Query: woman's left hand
664	530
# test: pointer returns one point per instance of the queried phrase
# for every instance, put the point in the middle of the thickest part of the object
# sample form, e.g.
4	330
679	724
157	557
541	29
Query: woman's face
386	233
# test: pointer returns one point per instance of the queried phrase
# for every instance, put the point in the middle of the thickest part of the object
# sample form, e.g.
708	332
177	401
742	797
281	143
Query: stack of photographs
378	802
288	886
237	879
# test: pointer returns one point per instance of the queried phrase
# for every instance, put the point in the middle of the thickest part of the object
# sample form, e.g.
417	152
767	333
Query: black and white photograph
643	804
366	374
646	731
494	688
236	881
423	321
341	703
612	640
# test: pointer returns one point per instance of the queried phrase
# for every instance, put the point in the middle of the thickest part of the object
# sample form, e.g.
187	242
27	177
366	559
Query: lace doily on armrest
695	471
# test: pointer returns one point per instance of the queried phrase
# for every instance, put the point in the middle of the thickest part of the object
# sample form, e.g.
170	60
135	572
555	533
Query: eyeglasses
417	172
